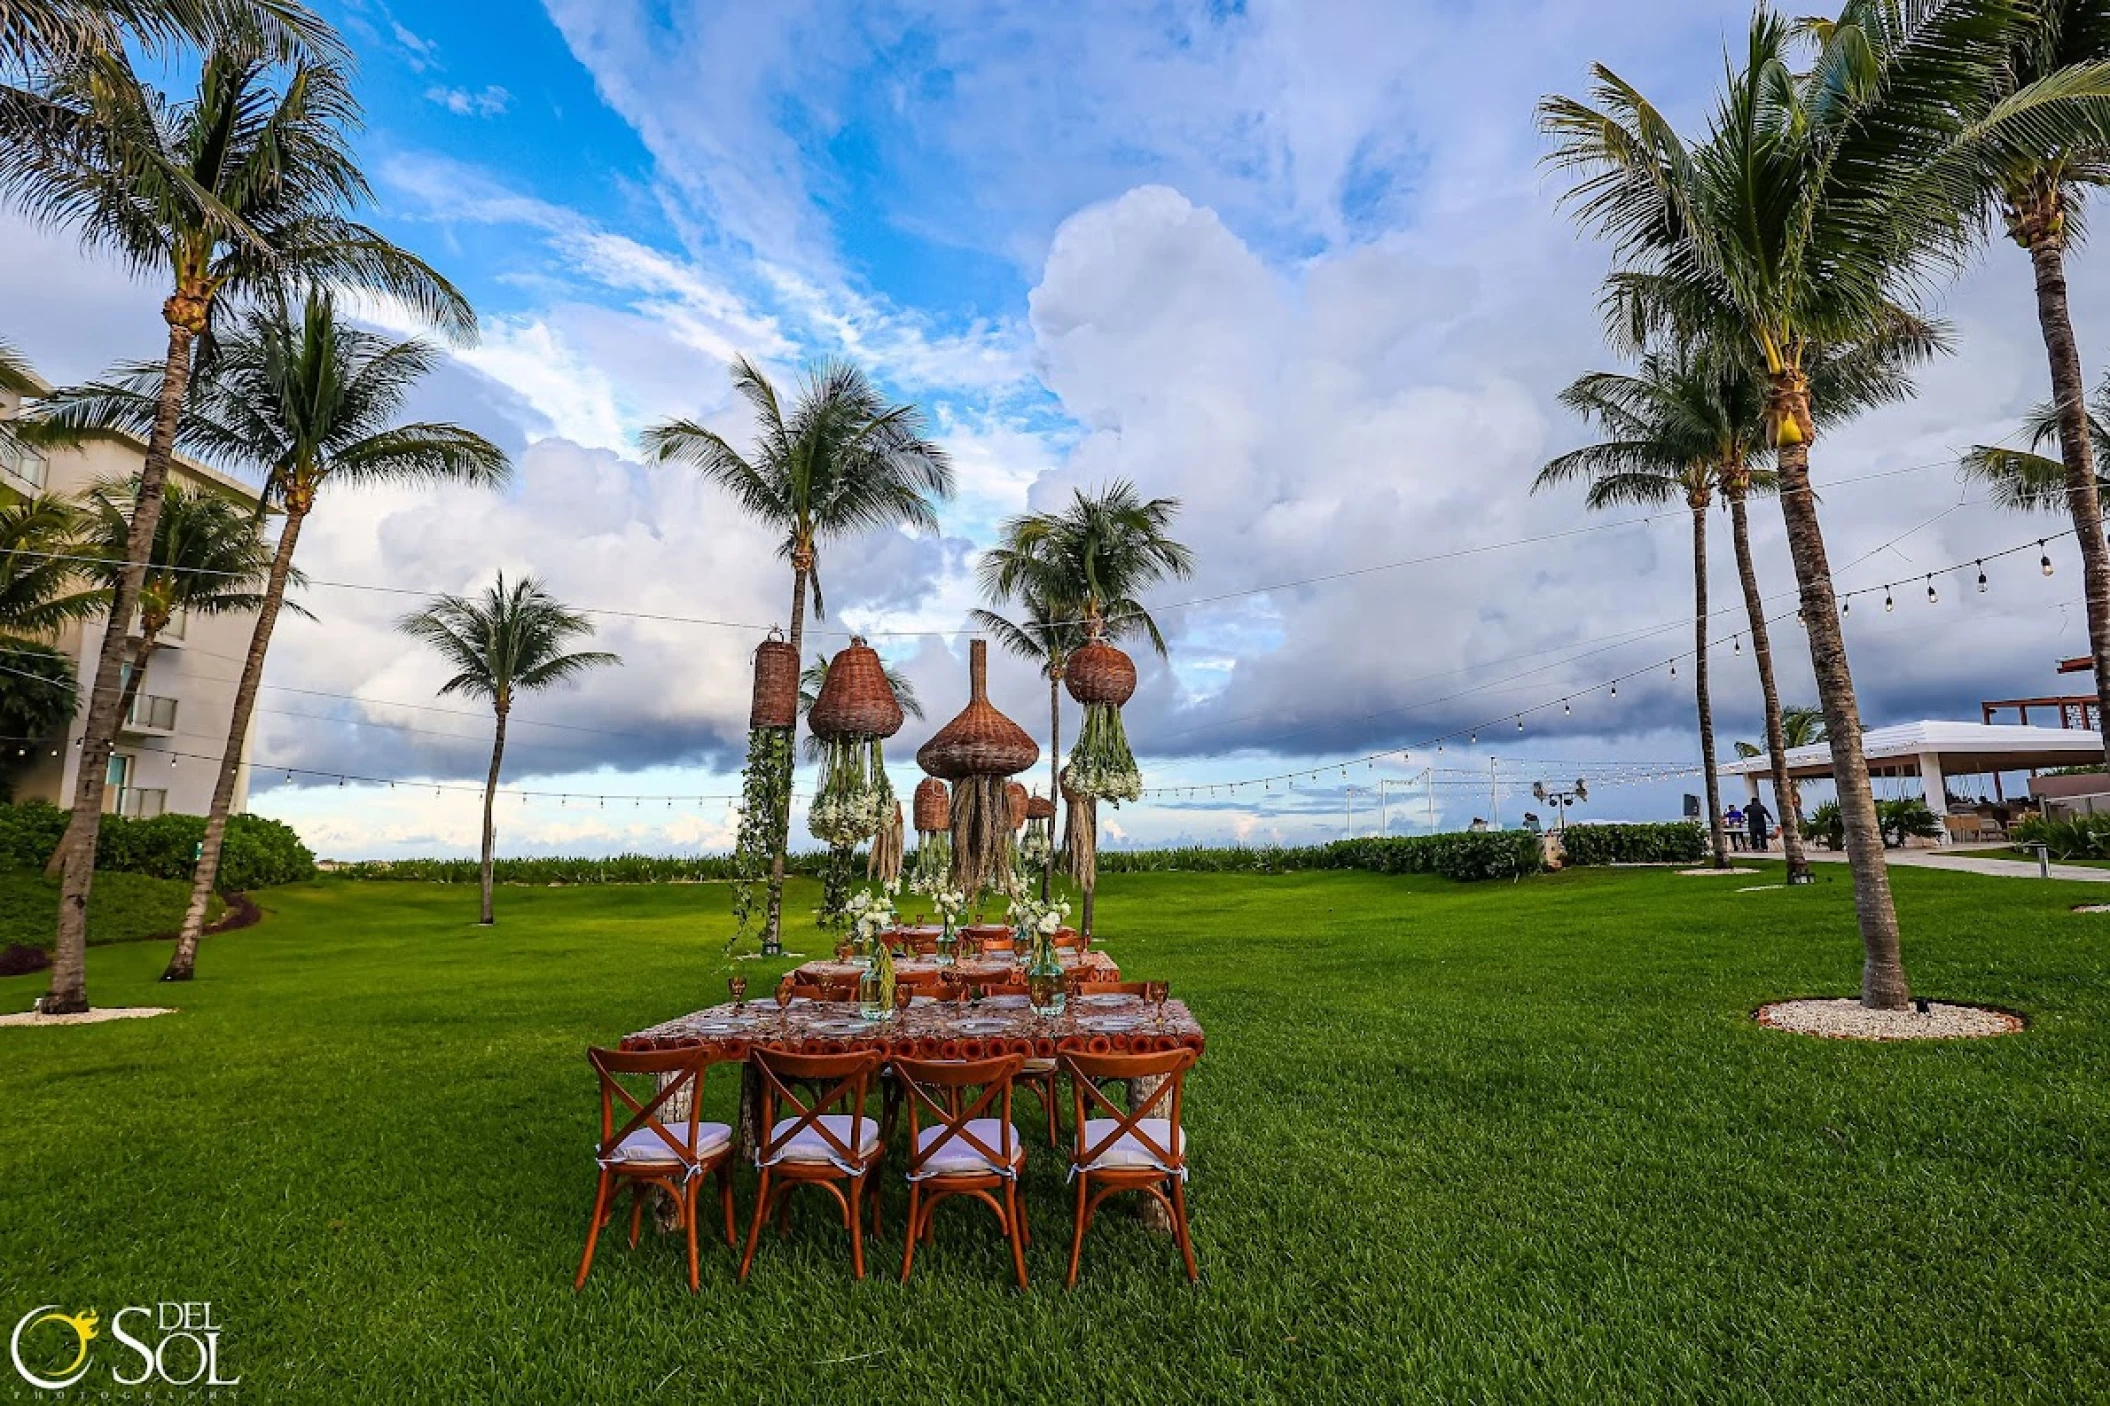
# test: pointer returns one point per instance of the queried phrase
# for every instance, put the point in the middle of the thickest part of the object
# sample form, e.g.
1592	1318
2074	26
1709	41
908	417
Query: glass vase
861	951
948	942
875	986
1044	982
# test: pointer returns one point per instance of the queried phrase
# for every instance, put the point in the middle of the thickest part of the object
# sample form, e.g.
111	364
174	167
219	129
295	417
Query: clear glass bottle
1044	979
875	985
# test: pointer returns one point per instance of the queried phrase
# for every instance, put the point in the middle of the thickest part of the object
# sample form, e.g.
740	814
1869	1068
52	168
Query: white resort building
168	747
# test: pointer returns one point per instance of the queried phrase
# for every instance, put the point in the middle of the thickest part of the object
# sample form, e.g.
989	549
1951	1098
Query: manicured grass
1487	1142
121	907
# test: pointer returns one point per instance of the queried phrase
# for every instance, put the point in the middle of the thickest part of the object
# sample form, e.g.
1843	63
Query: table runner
930	1029
1002	968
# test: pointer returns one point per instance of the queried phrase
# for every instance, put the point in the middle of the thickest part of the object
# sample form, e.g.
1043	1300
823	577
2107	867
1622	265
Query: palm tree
1801	725
2036	185
1820	198
38	595
814	675
2024	480
208	560
306	401
842	463
240	190
1077	574
44	34
1665	427
507	642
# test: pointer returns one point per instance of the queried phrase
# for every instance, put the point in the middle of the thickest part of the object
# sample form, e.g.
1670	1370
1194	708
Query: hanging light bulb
435	790
1615	688
1846	605
1981	578
1932	598
340	781
1473	740
172	759
1566	711
289	776
2044	562
1739	644
1888	603
1673	668
1520	722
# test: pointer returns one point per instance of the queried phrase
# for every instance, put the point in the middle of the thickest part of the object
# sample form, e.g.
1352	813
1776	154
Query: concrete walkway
1961	859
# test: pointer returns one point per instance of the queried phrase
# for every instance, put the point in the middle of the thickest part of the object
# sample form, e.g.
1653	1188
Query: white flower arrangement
870	914
1031	915
950	903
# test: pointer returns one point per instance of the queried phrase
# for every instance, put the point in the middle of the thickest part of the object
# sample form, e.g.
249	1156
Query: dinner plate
1117	998
722	1027
841	1027
981	1026
1113	1024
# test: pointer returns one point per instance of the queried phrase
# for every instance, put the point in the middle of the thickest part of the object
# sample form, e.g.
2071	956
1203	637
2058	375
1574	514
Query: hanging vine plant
931	870
1102	678
764	787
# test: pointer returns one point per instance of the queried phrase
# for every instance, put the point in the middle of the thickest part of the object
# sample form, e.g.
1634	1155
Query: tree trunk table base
1151	1211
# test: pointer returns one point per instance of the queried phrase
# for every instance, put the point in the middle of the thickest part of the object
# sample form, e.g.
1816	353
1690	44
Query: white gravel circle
1711	873
90	1017
1847	1019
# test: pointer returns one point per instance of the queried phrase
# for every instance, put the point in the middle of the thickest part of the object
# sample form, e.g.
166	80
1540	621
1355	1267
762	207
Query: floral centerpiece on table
871	917
950	903
1036	923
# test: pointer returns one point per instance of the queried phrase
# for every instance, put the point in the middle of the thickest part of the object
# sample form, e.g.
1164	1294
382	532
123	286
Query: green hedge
257	852
1464	855
616	869
1676	842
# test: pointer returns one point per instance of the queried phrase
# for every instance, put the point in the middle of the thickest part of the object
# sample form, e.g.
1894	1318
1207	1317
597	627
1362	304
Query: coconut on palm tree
840	462
1831	184
240	190
512	639
301	398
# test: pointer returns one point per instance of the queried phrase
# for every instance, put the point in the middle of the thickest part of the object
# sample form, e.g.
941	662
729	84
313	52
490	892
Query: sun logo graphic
81	1325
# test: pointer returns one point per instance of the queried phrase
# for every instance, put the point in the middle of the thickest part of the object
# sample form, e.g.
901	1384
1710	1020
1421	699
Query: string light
2044	562
1739	644
1615	688
1673	668
1566	711
1520	722
1888	603
1981	578
1932	598
1846	605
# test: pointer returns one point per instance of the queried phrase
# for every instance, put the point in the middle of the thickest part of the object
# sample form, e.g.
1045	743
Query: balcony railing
140	803
151	713
26	468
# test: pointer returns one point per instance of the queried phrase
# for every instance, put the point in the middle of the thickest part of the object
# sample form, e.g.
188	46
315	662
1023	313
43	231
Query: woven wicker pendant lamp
977	751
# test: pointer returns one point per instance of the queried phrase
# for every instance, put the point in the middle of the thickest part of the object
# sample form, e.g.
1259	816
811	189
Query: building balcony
152	716
22	468
141	803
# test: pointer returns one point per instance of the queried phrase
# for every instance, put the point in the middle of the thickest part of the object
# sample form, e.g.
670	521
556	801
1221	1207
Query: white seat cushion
647	1148
1129	1150
810	1146
1037	1066
959	1157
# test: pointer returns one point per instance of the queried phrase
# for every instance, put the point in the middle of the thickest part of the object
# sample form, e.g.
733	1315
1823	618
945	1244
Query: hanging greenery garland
931	871
855	797
764	789
836	879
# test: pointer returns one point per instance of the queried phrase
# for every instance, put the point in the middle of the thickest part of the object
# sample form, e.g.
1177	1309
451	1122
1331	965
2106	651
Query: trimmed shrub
1675	842
2083	837
616	869
20	959
257	852
1464	855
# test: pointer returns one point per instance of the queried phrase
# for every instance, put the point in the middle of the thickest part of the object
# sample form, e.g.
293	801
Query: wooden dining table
928	1029
997	968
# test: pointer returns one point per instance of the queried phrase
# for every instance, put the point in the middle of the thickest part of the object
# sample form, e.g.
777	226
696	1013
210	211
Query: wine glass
904	995
844	951
738	986
1156	992
784	994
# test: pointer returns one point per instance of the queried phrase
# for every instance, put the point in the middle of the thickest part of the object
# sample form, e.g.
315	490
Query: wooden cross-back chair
812	1146
969	1150
651	1150
1143	1148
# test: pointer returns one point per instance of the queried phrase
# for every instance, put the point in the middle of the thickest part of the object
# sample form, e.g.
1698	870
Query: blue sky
1293	264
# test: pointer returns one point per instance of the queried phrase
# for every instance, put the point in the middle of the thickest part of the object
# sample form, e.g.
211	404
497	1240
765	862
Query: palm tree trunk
1789	818
1708	770
1883	984
57	863
183	963
69	966
1047	869
773	925
2068	392
498	752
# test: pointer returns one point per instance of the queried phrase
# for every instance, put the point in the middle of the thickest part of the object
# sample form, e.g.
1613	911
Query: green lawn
1493	1142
